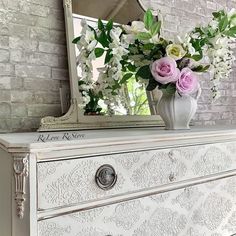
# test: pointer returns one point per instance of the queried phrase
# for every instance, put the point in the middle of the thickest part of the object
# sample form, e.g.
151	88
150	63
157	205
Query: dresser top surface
76	139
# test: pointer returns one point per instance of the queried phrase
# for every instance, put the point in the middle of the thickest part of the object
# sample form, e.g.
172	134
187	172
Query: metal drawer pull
106	177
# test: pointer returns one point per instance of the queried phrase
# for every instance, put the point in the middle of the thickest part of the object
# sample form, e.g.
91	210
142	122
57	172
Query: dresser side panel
5	193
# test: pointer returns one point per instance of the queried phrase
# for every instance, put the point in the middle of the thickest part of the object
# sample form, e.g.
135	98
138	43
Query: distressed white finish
202	210
20	165
72	181
169	183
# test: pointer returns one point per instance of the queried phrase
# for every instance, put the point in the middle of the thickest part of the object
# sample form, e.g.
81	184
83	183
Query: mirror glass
133	98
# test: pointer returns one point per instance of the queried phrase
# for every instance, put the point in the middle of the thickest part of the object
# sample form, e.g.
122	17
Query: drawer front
67	182
207	209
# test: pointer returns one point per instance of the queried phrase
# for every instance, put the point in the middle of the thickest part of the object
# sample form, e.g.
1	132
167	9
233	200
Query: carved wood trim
20	167
68	3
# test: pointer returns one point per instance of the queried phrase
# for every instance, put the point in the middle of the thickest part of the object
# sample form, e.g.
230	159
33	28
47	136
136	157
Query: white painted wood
206	209
5	193
71	182
149	162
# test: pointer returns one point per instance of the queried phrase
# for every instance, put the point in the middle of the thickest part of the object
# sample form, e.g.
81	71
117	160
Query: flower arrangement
140	51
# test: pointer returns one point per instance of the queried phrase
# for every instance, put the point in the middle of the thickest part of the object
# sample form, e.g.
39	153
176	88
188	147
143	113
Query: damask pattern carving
127	214
158	224
75	186
212	211
214	160
193	211
188	197
53	229
72	181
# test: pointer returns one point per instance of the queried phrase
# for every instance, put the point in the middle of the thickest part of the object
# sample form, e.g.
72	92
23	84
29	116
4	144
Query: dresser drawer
205	209
68	182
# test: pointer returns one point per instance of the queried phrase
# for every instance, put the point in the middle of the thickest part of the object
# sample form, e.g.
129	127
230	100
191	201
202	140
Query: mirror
131	98
132	105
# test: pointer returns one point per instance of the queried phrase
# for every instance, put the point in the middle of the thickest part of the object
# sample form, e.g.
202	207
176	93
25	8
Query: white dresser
124	182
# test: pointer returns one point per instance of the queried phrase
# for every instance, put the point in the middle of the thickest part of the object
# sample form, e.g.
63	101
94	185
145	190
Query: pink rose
188	82
165	70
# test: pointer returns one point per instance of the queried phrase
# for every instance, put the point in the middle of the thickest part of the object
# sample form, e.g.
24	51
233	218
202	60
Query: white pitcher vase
177	111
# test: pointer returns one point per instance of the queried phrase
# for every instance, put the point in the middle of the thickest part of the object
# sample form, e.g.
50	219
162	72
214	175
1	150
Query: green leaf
103	39
219	14
169	89
148	46
152	85
126	77
216	14
197	57
201	68
144	36
76	40
231	32
94	31
131	67
98	52
100	25
155	28
223	23
108	56
144	72
148	19
109	25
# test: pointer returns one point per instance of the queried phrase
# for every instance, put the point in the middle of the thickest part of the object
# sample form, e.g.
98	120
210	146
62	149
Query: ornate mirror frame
74	118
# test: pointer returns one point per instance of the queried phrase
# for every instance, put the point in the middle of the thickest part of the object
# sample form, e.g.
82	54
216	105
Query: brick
18	56
60	74
39	33
33	71
211	5
51	23
20	18
5	96
57	36
35	97
26	44
5	125
42	97
19	110
16	83
5	82
38	10
44	59
20	31
25	124
52	48
4	42
6	69
43	85
49	3
5	110
21	96
4	55
41	110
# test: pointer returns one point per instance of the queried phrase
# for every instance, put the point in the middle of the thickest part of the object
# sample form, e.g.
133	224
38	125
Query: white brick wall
33	61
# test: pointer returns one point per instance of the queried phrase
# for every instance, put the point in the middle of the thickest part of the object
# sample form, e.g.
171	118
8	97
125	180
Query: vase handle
198	93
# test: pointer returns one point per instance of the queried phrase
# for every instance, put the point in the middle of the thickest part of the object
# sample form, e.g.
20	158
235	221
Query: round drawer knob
106	177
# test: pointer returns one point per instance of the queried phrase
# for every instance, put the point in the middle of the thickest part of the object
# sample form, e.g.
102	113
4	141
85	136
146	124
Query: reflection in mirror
129	98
